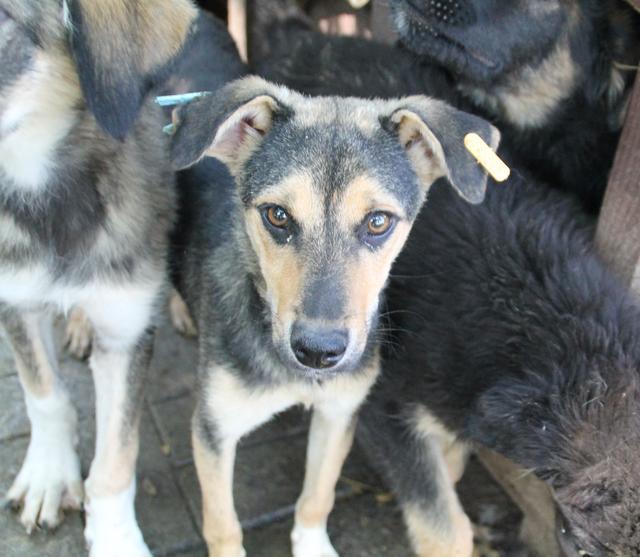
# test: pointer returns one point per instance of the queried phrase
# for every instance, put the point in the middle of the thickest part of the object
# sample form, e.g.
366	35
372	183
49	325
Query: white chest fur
38	114
238	408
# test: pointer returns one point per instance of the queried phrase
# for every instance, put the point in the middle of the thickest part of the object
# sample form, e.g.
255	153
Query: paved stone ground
269	471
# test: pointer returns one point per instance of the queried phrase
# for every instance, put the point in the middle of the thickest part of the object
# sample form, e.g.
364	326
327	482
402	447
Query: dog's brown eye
277	217
378	223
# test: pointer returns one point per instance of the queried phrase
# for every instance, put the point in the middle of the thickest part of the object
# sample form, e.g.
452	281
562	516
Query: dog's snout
318	348
450	12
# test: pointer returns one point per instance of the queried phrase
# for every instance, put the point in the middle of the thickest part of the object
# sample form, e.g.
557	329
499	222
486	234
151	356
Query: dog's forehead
359	114
335	142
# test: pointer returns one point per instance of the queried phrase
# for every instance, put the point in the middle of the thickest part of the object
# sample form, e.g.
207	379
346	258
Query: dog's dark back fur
570	143
513	334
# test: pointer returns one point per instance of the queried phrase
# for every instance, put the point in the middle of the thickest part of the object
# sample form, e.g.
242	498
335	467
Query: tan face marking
299	197
366	277
362	196
281	266
368	270
284	269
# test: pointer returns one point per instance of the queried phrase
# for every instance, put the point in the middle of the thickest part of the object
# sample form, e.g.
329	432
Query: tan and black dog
86	205
283	261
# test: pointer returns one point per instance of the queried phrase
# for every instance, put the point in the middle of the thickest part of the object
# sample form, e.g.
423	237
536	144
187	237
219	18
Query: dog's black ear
432	132
121	48
228	125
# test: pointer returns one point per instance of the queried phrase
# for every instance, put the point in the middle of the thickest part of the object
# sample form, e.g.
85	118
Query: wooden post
237	23
381	27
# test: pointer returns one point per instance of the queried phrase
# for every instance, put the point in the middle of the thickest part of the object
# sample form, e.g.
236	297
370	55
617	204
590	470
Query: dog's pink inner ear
250	123
418	139
242	132
422	147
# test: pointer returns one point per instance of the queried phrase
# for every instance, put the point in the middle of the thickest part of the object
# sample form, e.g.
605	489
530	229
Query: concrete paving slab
358	527
173	365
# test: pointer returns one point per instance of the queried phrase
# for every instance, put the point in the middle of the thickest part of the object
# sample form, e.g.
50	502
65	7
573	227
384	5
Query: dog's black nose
316	348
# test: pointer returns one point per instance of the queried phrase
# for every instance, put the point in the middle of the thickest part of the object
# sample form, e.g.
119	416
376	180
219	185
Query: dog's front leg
330	439
50	475
119	363
215	459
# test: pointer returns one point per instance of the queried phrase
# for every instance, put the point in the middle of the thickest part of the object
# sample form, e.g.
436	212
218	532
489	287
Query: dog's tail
272	26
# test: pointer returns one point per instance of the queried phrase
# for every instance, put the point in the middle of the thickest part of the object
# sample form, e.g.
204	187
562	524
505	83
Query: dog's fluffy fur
86	206
509	333
288	315
547	73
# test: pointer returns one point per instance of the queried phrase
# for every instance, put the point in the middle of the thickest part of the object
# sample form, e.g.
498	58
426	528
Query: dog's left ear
121	48
432	133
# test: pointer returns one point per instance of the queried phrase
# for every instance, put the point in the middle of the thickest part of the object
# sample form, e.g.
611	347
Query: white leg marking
50	475
119	316
111	529
311	542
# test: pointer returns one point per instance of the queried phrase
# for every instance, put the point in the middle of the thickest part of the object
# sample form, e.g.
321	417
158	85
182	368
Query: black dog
509	333
549	73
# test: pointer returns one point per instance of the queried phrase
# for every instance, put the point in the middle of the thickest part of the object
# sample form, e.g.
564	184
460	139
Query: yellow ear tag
487	157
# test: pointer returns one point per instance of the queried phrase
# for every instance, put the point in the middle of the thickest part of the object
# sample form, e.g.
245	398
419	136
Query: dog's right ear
228	125
432	133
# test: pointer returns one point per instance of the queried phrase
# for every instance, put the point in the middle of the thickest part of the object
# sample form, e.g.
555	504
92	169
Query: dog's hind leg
49	479
119	362
413	462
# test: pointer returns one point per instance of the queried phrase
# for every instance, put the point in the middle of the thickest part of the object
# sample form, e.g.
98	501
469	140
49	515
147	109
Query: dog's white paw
49	480
111	529
311	542
78	335
180	316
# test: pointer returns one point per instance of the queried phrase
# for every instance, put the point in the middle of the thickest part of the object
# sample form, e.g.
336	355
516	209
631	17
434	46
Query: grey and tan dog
86	205
283	262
